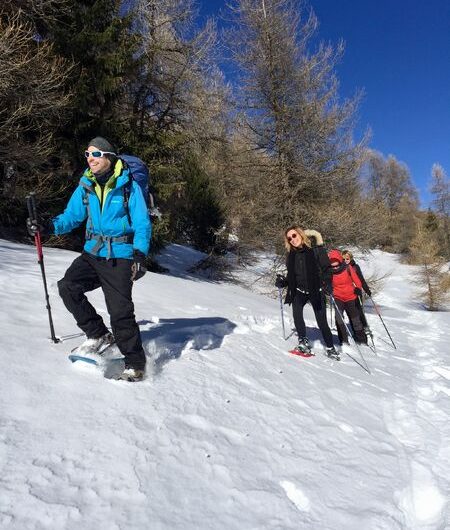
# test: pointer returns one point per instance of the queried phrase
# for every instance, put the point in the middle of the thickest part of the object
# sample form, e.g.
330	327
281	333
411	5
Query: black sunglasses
290	238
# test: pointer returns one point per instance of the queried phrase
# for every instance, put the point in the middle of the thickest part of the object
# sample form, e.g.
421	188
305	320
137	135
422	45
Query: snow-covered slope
228	431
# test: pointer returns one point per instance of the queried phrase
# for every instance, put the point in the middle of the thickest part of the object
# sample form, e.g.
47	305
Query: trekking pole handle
33	215
30	207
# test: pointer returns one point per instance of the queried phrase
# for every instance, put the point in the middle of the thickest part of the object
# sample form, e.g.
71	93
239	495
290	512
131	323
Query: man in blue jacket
113	256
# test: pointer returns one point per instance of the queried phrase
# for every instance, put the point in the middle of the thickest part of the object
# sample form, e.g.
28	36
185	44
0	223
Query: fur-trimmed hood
316	235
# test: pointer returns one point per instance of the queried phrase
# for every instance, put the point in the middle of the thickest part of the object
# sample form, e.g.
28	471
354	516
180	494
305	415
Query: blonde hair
348	253
305	239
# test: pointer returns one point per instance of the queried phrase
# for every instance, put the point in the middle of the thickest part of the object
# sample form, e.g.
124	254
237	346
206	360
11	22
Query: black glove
138	269
368	292
358	292
281	281
45	227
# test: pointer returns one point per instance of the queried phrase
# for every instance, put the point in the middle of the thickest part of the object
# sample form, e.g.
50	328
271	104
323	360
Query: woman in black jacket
348	258
308	274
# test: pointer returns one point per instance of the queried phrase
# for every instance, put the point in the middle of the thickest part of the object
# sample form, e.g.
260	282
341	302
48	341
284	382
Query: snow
228	431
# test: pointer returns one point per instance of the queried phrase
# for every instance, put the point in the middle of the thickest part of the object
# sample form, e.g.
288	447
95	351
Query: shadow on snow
167	339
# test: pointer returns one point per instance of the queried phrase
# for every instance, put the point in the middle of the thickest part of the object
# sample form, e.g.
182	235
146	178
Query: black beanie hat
102	143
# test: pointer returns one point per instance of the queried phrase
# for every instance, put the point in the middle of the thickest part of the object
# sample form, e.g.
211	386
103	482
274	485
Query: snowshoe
95	346
303	349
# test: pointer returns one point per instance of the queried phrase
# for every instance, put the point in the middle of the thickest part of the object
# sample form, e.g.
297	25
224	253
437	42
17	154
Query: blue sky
398	52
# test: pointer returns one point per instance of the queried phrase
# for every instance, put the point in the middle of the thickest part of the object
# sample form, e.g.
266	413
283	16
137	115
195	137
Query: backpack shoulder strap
349	270
126	197
87	189
85	198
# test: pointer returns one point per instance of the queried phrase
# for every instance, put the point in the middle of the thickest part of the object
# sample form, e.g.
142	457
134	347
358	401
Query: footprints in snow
250	323
421	500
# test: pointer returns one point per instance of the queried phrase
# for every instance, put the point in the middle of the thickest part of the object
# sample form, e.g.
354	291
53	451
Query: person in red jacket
345	281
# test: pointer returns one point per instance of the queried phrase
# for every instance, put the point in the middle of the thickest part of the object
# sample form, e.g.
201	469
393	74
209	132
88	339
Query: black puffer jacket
323	261
309	270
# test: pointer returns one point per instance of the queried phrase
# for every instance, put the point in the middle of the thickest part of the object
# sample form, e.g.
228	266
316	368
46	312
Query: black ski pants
354	315
89	272
362	315
320	312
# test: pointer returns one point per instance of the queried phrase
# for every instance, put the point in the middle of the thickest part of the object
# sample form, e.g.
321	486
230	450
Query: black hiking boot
333	354
97	346
303	345
132	375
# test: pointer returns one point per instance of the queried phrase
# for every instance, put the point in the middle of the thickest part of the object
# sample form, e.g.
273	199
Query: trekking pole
32	213
367	329
379	314
338	312
331	316
280	296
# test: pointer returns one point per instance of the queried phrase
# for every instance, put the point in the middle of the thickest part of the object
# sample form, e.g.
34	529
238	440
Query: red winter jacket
344	278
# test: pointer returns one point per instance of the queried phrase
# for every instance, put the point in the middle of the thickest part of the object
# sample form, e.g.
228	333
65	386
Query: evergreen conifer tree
199	212
97	38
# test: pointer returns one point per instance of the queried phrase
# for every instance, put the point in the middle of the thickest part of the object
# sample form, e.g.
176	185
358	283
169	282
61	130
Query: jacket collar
118	178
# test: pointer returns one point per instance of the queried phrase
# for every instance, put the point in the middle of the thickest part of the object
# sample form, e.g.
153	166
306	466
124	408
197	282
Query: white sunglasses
97	154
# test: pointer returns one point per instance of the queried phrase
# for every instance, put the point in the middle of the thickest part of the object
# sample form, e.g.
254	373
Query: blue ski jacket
108	231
